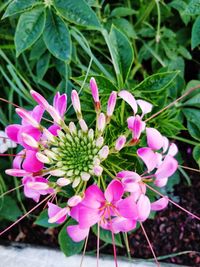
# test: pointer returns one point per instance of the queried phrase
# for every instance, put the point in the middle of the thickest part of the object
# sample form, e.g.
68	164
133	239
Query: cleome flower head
56	154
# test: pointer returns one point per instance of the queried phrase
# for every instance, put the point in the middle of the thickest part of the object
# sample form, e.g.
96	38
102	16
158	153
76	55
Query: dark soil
172	230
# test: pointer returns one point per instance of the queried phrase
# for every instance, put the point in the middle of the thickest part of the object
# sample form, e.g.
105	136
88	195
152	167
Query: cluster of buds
62	155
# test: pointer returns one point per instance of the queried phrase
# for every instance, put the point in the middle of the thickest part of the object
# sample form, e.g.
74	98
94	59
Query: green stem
145	14
185	140
159	21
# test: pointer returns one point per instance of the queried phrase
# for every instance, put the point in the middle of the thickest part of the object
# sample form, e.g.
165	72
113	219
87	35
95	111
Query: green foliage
42	220
77	12
9	209
56	37
67	246
196	33
29	29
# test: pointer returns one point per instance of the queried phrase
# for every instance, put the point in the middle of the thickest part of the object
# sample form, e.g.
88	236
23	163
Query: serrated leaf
122	51
42	220
42	65
157	82
196	154
56	37
9	209
106	236
67	245
18	6
29	28
195	41
193	8
123	12
77	12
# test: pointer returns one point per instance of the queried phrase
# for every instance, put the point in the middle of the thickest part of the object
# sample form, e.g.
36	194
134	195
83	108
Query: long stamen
84	250
173	103
113	242
188	168
98	237
11	190
21	218
8	155
149	243
187	211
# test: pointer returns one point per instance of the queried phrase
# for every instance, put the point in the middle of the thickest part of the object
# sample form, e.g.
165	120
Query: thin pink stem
84	250
187	211
8	155
174	102
11	190
98	237
149	243
21	218
114	248
188	168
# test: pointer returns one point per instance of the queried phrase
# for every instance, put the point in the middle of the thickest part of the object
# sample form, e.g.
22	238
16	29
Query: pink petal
136	125
148	156
144	208
30	130
173	150
130	185
111	103
120	224
53	129
165	144
129	175
39	99
76	233
114	191
31	163
129	98
60	103
167	168
93	198
19	159
120	142
56	214
37	113
161	182
94	90
12	131
154	138
88	217
145	106
160	204
127	208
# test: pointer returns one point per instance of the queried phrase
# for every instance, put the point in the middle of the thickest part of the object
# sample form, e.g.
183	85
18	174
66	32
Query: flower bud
120	143
111	103
76	103
101	122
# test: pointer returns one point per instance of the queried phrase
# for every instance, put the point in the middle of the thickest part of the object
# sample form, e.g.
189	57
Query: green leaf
106	236
123	12
122	51
196	154
194	130
9	209
67	245
193	102
42	220
196	33
193	126
77	12
56	37
157	82
18	6
37	49
125	26
193	8
43	65
29	28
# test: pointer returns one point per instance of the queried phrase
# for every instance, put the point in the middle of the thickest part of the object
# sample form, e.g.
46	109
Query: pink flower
95	93
129	98
60	103
34	187
137	126
103	207
111	103
120	142
57	214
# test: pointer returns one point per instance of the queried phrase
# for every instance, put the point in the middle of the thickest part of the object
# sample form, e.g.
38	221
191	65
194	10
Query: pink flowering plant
107	175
